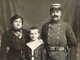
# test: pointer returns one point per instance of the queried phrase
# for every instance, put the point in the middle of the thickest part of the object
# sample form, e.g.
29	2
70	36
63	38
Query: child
35	46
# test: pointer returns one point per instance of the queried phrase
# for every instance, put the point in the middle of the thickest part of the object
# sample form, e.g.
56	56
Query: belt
56	48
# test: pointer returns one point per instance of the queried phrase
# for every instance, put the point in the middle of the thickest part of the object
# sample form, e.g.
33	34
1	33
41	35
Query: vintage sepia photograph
39	29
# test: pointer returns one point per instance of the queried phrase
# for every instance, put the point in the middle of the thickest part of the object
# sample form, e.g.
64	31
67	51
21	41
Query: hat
55	6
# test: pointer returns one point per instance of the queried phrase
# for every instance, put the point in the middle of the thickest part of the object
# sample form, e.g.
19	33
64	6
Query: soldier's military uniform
57	36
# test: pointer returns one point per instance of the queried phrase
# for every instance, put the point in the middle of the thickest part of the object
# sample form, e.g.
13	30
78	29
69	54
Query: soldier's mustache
55	16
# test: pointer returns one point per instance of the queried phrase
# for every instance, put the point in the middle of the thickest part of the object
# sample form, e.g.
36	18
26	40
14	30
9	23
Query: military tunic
58	34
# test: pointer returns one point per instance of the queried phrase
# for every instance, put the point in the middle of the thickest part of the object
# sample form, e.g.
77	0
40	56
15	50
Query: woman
14	40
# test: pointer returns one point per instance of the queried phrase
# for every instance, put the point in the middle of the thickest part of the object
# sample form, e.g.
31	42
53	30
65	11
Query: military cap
55	6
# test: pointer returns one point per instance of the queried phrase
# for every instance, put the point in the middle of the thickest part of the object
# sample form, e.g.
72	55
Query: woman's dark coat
16	45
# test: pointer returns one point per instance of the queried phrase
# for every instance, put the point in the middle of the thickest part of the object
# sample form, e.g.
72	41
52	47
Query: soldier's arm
42	33
71	39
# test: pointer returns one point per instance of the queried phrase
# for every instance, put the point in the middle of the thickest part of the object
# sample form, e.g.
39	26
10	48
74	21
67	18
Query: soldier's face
17	24
34	34
56	14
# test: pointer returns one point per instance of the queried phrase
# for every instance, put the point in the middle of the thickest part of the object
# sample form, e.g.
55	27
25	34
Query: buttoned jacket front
58	34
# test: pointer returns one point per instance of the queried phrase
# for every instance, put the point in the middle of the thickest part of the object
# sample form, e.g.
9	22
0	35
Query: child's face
34	34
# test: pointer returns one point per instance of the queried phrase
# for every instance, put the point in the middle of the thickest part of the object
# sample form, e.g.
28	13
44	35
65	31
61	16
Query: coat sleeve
3	46
71	39
42	52
44	32
44	36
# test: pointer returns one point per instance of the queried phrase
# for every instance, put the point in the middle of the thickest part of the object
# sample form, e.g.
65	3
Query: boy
35	46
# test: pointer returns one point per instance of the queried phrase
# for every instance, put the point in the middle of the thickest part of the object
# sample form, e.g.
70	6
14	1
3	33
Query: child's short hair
33	28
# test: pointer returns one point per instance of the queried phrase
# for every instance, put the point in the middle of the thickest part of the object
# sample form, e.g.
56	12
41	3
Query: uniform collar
53	22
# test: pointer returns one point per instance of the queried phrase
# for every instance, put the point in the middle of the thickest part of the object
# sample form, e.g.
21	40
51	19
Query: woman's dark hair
15	17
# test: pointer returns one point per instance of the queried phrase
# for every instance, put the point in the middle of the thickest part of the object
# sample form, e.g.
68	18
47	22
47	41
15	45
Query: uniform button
57	42
49	33
49	28
49	25
57	37
58	28
59	24
58	33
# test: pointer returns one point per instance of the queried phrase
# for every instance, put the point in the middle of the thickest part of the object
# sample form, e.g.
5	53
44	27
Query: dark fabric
66	37
15	45
38	53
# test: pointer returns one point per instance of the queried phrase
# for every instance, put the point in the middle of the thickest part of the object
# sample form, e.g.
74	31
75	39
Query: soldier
57	35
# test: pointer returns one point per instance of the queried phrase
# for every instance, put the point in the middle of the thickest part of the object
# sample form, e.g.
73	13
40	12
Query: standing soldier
57	35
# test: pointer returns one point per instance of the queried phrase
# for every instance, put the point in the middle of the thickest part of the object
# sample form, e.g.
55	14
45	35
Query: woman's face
17	24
